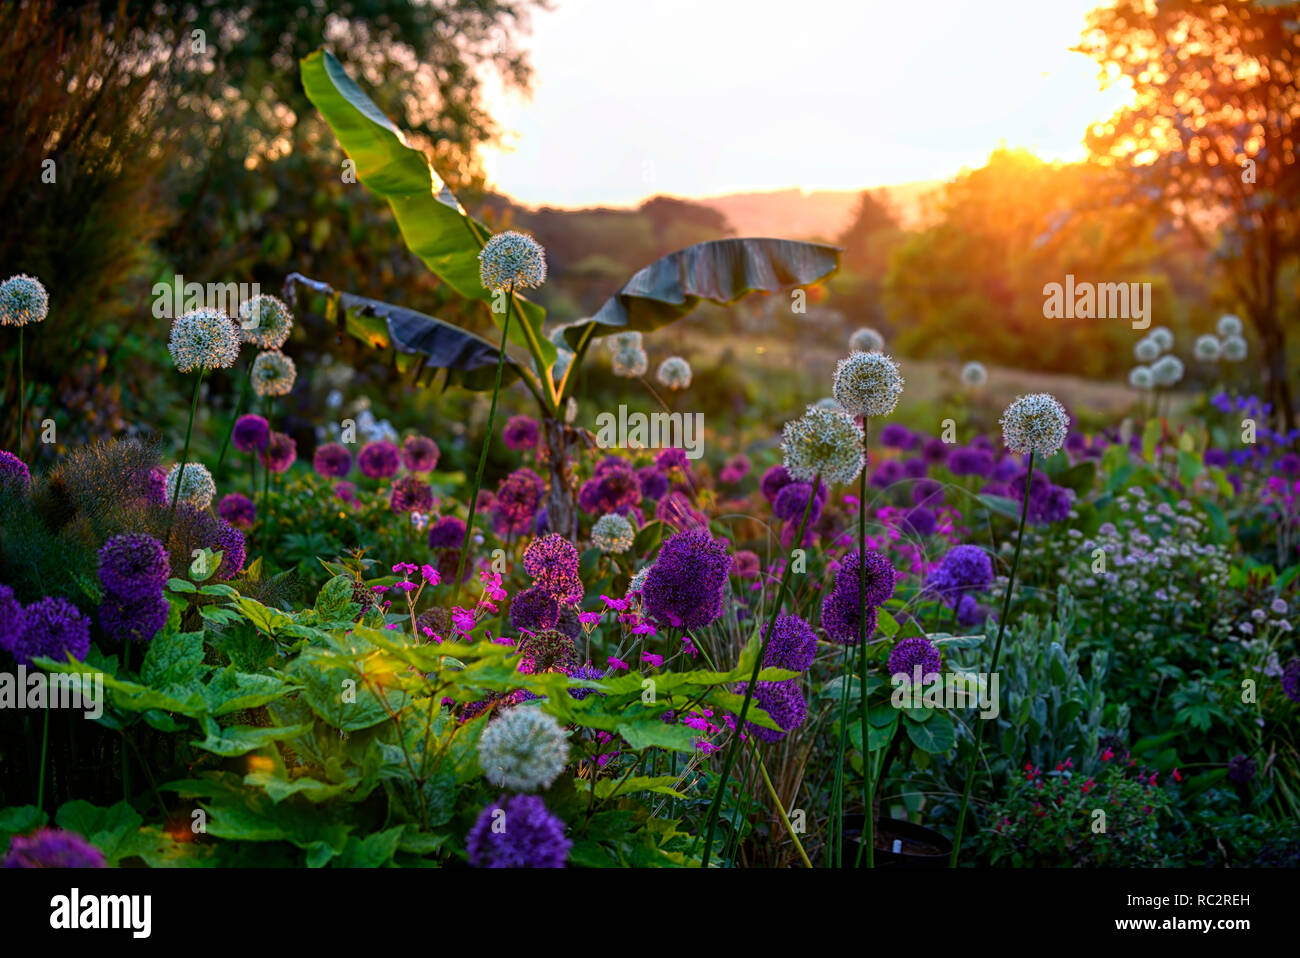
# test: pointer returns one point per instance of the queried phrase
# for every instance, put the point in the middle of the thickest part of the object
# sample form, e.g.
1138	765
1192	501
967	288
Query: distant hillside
819	213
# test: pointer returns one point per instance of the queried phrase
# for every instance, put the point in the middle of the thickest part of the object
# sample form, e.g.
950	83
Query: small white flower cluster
867	384
197	485
974	375
825	442
23	300
273	374
512	259
866	340
674	373
629	358
612	533
1161	368
523	749
1035	423
204	339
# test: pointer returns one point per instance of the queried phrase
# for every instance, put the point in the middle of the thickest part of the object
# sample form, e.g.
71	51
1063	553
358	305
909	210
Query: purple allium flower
735	469
53	848
379	459
549	650
533	610
12	619
155	486
897	436
420	454
410	494
773	481
520	433
332	460
1075	442
840	616
251	433
912	653
1289	465
1006	468
672	458
1291	680
611	489
1053	505
568	623
792	646
915	468
517	500
517	832
346	492
133	565
234	550
969	612
918	521
653	482
135	620
880	576
1216	458
13	470
886	474
970	461
1241	770
588	673
552	561
783	701
927	492
935	451
55	629
237	509
793	500
447	533
996	489
964	568
745	564
281	452
685	586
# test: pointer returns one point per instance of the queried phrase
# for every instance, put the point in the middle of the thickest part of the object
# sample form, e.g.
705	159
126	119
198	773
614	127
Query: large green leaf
721	271
433	223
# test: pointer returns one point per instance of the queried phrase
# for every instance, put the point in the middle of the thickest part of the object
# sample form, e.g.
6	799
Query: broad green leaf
241	739
935	735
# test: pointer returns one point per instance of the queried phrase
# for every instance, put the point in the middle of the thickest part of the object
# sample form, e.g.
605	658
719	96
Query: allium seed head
823	442
1228	326
1139	377
1234	349
512	259
612	533
974	375
273	374
1207	349
523	749
1147	350
23	300
1035	423
197	486
265	321
866	340
204	339
674	373
630	363
867	384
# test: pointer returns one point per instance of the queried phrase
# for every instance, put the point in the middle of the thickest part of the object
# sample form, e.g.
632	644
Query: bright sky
701	97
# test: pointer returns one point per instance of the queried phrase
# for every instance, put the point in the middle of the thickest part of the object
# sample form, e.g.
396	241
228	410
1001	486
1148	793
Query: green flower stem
869	800
22	393
997	649
185	453
45	743
730	761
487	442
837	790
266	480
234	415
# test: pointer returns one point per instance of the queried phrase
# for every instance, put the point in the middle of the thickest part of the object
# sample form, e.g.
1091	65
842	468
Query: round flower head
251	433
533	610
1241	769
204	339
823	442
783	701
866	340
518	498
1139	377
23	300
963	569
974	375
237	509
53	848
674	373
520	433
133	620
273	374
447	533
1147	350
792	501
13	621
880	576
420	453
379	459
549	650
915	653
523	749
1035	423
512	259
411	494
774	480
628	339
281	452
630	363
265	321
1234	349
517	832
55	630
197	487
13	470
685	586
1162	337
1167	371
1207	349
1227	326
332	460
867	384
552	561
652	482
792	646
897	436
612	533
132	565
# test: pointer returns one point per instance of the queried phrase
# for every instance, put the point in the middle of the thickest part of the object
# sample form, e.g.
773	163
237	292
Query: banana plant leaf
421	344
722	271
433	223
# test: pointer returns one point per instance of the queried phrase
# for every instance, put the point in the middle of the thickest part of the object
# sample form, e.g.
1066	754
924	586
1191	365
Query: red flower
1107	755
1177	777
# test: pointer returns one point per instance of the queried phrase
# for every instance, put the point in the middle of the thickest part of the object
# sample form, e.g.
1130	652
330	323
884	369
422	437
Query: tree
1210	141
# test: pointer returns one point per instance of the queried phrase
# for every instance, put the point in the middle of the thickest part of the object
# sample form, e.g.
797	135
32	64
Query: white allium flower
1162	337
1147	350
621	342
867	384
1228	325
974	375
630	363
512	258
1139	377
638	578
674	373
1035	423
265	321
826	442
197	487
204	339
523	749
1234	349
866	340
273	374
612	533
23	300
1207	349
827	403
1168	370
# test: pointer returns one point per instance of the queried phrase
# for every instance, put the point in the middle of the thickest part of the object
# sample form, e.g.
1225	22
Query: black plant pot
919	847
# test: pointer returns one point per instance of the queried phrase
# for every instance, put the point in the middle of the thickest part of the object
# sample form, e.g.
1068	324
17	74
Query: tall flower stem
234	415
997	649
487	441
729	762
266	479
45	742
869	834
185	454
22	393
837	790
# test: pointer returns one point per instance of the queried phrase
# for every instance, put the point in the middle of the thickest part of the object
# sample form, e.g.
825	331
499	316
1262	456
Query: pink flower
407	586
1107	755
652	658
589	618
431	575
462	620
617	663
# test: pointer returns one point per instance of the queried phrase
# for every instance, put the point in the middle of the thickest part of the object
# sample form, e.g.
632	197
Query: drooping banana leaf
433	223
421	344
721	271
